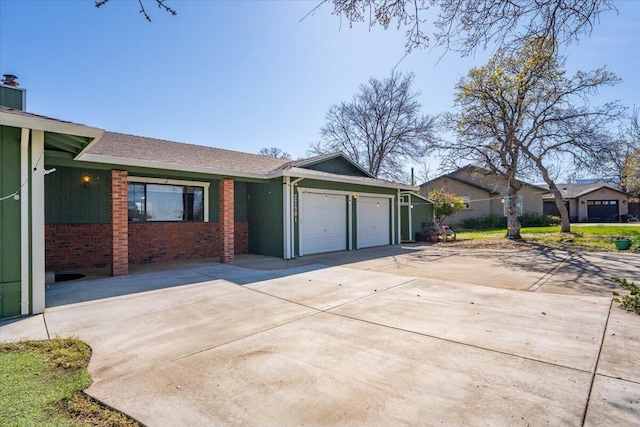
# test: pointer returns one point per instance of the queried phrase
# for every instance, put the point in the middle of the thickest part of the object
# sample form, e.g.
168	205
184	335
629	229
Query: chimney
11	95
10	80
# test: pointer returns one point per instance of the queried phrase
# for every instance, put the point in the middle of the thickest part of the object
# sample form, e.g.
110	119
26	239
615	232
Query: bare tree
274	152
160	3
521	112
621	155
381	128
465	25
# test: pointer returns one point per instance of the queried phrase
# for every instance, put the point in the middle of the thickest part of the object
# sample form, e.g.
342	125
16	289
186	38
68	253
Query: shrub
538	220
635	244
629	302
485	222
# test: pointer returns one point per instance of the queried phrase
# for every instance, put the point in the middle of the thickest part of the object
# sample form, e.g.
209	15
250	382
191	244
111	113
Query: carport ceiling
65	143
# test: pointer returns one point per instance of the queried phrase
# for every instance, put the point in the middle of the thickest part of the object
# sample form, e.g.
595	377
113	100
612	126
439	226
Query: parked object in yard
436	233
622	243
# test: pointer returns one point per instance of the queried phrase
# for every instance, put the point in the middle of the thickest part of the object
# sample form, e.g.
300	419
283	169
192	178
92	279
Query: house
595	201
483	193
76	197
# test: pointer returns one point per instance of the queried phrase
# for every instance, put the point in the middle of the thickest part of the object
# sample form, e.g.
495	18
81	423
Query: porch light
86	180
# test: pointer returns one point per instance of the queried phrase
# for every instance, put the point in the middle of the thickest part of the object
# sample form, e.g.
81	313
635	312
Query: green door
10	221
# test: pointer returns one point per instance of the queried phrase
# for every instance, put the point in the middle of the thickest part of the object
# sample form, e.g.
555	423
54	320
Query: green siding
264	212
422	212
240	201
11	97
338	166
10	221
342	186
69	201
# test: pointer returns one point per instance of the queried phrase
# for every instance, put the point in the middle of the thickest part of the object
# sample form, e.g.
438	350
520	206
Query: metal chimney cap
10	77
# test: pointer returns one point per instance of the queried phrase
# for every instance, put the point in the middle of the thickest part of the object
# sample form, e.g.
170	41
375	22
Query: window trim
467	201
204	185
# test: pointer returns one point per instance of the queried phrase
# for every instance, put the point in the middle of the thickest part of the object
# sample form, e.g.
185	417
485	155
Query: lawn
41	384
582	237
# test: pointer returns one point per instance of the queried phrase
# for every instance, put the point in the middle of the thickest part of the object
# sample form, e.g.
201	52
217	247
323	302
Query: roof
571	191
120	148
480	173
310	161
131	150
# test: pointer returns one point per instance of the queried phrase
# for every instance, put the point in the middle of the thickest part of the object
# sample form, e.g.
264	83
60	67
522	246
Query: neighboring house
483	192
78	198
591	202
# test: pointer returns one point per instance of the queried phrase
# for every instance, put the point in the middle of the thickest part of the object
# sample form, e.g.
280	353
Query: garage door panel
373	221
602	210
323	223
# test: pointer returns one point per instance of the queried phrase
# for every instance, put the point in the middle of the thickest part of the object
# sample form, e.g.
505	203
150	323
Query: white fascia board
342	178
36	123
413	193
97	158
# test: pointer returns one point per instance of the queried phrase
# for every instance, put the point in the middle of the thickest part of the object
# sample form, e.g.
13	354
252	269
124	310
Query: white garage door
373	221
323	223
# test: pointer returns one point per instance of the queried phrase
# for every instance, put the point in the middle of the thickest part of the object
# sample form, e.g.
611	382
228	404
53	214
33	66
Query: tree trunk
565	224
513	223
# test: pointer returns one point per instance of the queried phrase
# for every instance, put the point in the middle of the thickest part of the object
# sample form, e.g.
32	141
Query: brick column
227	226
119	224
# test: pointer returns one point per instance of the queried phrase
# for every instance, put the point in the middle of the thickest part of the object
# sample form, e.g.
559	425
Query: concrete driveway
387	336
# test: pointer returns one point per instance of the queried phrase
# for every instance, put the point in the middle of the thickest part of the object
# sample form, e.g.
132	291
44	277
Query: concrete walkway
398	335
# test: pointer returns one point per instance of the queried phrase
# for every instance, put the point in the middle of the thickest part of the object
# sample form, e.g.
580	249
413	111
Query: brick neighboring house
483	193
593	202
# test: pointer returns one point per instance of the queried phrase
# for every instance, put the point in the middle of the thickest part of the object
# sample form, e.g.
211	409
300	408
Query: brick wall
77	246
119	223
167	241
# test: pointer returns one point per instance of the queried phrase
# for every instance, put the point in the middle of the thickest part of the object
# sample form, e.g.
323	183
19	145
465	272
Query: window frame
176	182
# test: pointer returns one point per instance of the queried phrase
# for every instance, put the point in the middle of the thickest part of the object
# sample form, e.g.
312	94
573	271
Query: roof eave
38	123
341	178
97	158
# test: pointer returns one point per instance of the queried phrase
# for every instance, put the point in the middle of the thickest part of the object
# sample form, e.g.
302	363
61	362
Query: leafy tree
445	204
622	156
521	112
381	128
274	152
465	25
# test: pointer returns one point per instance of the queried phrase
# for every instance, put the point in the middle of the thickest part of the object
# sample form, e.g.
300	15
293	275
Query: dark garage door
602	210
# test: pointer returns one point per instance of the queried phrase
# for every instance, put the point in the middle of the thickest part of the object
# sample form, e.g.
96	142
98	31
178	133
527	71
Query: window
148	202
466	200
508	202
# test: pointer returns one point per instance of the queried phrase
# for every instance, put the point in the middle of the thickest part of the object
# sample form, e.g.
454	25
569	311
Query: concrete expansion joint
46	328
544	279
595	367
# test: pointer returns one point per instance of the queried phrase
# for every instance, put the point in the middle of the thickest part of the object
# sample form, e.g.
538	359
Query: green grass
582	237
41	384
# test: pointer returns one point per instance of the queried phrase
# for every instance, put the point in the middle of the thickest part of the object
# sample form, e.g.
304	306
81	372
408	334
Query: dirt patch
512	244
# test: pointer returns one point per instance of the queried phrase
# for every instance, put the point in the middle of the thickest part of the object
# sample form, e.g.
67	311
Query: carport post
227	225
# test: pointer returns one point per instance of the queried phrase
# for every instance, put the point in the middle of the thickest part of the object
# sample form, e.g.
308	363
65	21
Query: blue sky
240	75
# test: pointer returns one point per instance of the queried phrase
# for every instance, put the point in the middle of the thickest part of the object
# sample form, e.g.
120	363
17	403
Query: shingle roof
162	152
482	178
571	191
